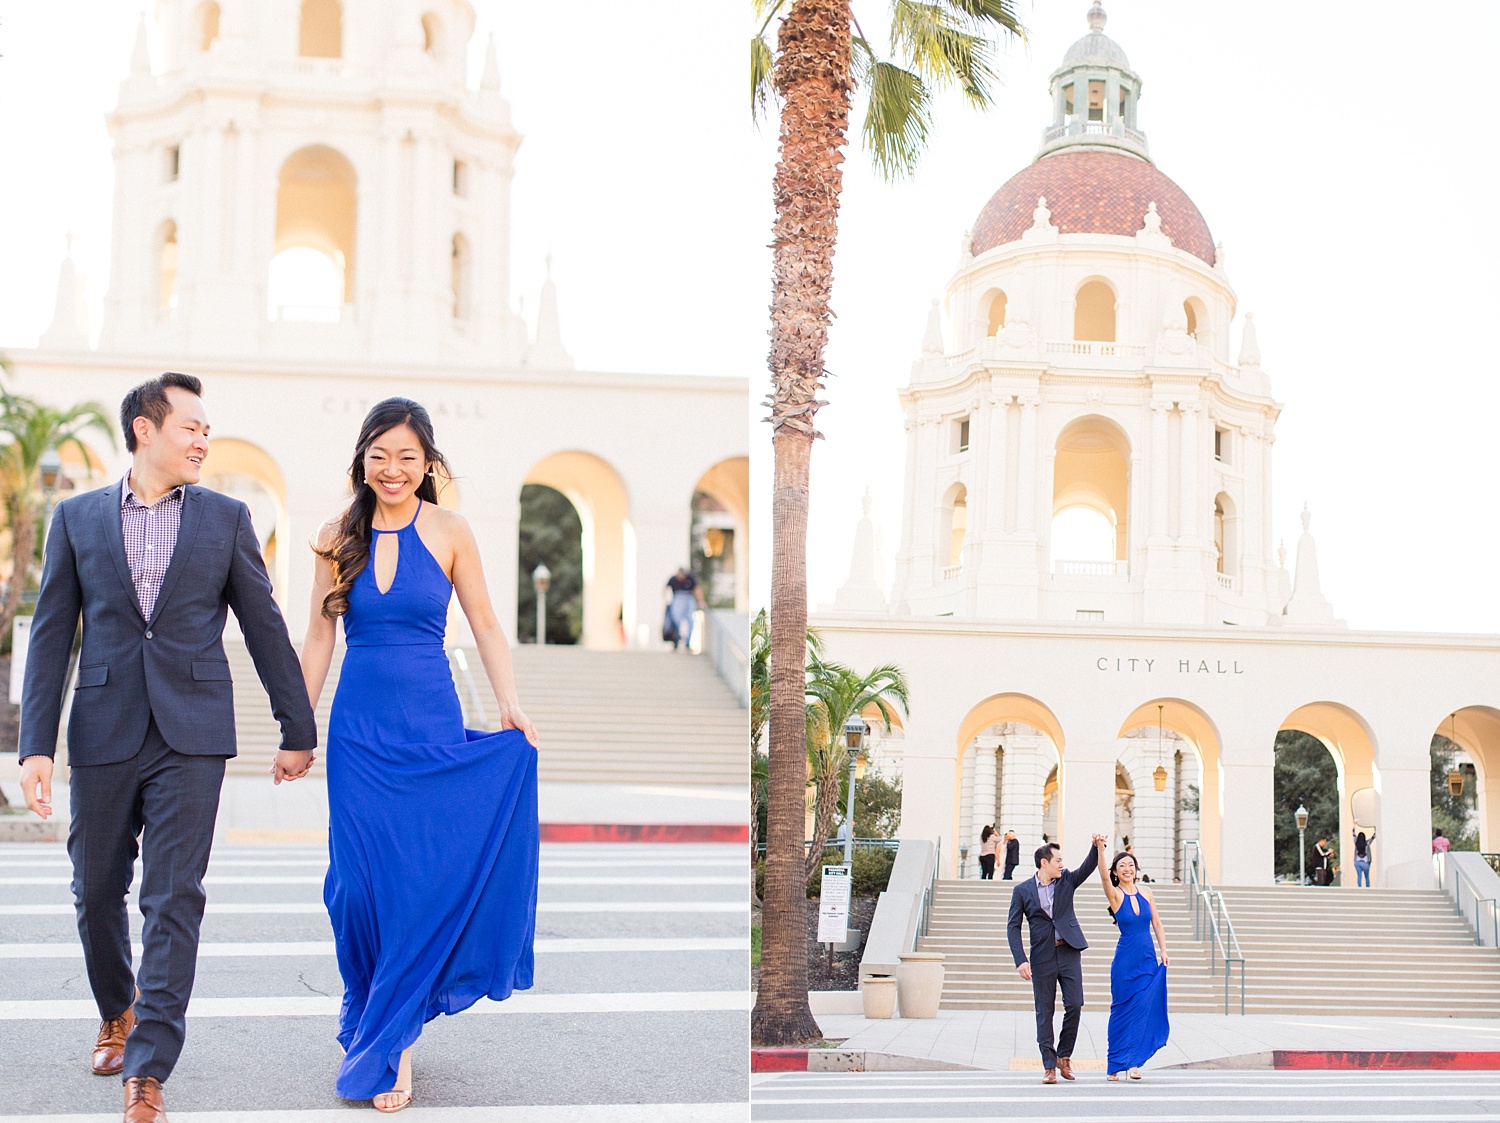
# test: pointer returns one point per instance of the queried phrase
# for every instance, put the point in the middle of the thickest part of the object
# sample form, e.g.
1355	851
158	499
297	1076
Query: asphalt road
1224	1096
640	1009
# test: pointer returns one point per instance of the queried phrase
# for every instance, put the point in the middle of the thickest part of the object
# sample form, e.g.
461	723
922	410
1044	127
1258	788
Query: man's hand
291	765
1024	970
1100	841
36	784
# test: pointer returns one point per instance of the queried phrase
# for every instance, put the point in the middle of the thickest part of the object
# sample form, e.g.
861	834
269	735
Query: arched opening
720	533
1179	738
1009	764
1337	786
459	270
166	266
1468	741
1226	536
1091	498
432	35
606	540
206	24
996	310
1192	309
551	534
322	31
1094	312
312	275
955	521
248	473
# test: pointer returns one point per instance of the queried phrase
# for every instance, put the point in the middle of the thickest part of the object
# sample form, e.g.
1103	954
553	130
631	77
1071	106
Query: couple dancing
433	836
1137	982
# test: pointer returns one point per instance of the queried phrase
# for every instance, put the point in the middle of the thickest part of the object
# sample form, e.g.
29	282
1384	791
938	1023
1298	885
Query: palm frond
898	118
762	89
945	47
995	13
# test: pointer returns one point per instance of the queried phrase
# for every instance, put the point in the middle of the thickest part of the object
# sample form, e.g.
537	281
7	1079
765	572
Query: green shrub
872	872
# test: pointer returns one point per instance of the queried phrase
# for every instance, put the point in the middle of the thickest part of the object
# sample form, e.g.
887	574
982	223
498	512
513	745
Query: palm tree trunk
23	544
812	75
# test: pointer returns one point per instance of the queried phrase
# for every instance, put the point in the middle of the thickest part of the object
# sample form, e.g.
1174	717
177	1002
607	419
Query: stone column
1028	482
966	828
1190	515
984	785
1160	467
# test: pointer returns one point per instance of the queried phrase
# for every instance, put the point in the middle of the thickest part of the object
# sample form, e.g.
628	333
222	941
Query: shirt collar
127	496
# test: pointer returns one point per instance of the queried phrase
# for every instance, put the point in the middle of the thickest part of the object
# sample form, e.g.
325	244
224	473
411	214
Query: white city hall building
312	213
1076	384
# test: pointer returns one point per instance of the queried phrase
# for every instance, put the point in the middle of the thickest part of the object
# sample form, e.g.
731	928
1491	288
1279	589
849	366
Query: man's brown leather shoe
1050	1076
109	1049
1065	1067
143	1100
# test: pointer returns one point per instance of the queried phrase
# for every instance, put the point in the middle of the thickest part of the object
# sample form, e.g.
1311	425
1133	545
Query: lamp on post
963	861
1455	777
50	468
1301	816
1159	777
854	737
541	578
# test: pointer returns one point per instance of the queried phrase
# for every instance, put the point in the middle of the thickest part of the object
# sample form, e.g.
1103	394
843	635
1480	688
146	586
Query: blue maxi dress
433	837
1138	990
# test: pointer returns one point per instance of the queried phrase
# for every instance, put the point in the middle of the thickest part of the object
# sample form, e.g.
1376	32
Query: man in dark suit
1046	903
150	564
1012	853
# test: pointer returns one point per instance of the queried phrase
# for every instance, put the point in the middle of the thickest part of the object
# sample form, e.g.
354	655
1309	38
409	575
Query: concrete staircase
603	716
1309	951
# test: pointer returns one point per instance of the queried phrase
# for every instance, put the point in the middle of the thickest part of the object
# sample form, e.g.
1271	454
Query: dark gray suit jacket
1045	930
172	666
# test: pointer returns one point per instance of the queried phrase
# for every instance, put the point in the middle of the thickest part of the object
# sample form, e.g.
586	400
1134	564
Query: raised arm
494	648
1111	892
1086	867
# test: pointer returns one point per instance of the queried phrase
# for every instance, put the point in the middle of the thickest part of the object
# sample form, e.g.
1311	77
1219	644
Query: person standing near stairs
1045	902
686	598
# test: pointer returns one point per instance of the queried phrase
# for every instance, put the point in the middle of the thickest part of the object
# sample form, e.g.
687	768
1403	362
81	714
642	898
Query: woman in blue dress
432	833
1137	982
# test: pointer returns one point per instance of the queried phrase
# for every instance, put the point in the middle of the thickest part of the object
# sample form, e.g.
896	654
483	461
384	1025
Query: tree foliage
1453	815
1306	775
551	534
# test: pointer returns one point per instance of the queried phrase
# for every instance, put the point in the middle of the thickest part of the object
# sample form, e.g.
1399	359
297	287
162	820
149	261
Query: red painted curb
645	832
778	1060
1409	1059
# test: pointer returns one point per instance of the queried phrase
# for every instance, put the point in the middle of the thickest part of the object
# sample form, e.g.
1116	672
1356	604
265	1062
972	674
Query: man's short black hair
149	400
1045	851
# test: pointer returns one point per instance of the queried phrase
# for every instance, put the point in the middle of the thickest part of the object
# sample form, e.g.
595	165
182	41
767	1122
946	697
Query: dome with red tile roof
1092	191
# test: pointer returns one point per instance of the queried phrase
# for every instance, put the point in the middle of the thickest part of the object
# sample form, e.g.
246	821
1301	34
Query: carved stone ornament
1042	229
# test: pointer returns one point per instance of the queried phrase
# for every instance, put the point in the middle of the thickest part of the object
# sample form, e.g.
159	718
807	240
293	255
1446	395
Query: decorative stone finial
1281	554
1152	220
1249	344
1097	18
1041	217
546	351
1308	605
868	502
932	338
864	591
490	82
140	58
1306	518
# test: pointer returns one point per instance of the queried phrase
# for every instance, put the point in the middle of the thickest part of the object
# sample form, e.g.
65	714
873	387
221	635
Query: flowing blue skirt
1138	1024
433	852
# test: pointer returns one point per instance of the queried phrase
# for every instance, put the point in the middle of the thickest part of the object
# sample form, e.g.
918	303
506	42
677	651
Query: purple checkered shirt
150	538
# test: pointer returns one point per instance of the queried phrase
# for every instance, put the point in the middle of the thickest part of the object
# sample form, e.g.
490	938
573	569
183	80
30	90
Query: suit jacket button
148	635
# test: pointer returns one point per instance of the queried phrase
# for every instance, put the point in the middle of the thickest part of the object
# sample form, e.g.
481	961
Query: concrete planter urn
878	995
919	984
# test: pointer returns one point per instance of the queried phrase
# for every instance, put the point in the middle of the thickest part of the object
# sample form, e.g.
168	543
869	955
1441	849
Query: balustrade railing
1072	567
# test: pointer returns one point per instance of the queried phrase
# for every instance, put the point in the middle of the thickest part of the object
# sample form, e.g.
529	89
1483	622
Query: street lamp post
854	736
1301	817
963	861
50	467
541	578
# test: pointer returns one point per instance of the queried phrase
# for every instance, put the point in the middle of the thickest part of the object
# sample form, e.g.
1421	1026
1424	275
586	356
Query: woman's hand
511	717
1165	962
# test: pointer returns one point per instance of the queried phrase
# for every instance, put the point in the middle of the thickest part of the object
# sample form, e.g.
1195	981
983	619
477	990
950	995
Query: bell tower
313	179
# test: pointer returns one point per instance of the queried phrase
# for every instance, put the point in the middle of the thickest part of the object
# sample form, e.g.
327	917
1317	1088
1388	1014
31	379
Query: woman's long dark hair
349	552
1114	878
984	835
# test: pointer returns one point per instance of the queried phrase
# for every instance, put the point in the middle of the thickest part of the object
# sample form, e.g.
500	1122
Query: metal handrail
1211	920
1467	883
477	715
930	891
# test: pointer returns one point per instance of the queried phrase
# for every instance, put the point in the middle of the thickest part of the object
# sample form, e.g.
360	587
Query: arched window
1094	312
207	24
1226	535
312	275
322	34
1090	498
955	526
462	298
167	266
997	313
1192	317
432	35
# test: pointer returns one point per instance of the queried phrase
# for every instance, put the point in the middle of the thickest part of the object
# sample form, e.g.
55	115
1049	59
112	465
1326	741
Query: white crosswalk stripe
1225	1096
633	940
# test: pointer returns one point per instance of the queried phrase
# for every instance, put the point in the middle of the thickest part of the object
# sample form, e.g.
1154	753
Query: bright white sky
635	172
1338	152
